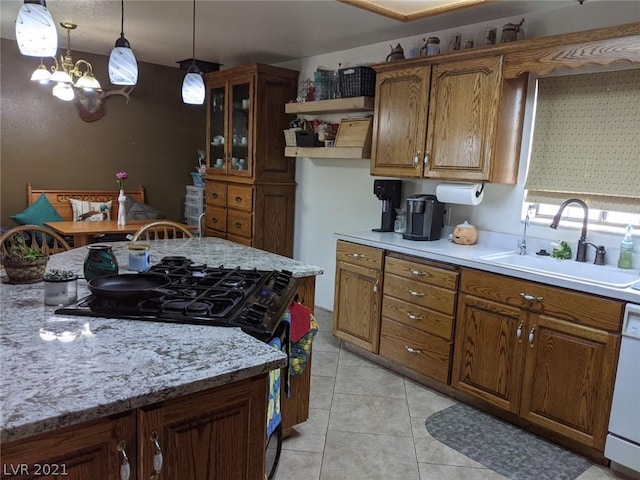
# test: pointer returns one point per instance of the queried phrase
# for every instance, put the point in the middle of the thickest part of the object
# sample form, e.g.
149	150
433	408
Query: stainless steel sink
604	275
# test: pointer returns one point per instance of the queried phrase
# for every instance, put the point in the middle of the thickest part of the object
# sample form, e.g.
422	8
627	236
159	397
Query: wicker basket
25	271
290	137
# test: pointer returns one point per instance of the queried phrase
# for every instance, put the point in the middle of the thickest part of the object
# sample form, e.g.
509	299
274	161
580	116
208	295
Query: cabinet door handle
530	298
416	160
531	336
426	159
418	273
415	317
375	286
157	456
238	199
519	332
238	225
411	350
416	294
125	468
357	255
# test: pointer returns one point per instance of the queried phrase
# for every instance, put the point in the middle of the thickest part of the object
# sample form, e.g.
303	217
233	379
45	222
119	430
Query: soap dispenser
626	250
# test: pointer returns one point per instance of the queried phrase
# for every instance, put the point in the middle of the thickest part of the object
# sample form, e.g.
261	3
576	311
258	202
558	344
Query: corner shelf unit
337	105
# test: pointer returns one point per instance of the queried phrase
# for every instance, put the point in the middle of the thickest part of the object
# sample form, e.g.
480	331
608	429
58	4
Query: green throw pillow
37	213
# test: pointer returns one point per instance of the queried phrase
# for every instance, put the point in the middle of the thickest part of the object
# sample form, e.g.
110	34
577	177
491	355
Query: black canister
100	261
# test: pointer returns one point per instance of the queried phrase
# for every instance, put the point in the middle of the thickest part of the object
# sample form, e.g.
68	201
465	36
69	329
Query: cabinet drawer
216	193
419	351
216	218
418	317
210	232
421	294
361	255
239	223
240	197
564	304
421	272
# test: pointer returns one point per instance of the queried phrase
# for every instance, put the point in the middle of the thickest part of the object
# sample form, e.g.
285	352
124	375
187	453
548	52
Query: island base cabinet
216	434
85	452
213	435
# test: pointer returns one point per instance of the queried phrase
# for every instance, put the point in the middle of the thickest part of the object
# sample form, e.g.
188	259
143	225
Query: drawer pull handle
411	350
416	294
519	332
157	456
238	199
125	468
357	255
530	298
375	286
238	225
214	220
214	195
415	317
532	336
418	273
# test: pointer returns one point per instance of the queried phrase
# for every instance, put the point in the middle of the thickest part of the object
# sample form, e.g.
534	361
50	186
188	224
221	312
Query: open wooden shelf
328	152
337	105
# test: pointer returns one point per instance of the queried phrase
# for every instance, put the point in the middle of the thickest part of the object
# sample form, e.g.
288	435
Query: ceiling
239	32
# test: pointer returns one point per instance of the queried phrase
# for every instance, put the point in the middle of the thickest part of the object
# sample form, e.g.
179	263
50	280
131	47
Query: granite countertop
107	366
489	243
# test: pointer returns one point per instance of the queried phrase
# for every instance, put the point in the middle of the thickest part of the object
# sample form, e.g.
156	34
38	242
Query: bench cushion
37	213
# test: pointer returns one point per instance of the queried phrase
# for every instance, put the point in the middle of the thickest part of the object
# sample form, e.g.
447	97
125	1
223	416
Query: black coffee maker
425	216
389	192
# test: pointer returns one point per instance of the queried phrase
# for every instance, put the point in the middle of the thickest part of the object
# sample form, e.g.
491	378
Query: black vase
100	261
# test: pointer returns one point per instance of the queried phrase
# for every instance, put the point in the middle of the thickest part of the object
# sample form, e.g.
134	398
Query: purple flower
121	177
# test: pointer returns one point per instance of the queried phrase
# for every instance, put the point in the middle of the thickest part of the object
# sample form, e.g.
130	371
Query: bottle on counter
626	250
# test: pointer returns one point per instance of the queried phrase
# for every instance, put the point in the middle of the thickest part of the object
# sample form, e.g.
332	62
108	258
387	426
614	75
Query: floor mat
504	448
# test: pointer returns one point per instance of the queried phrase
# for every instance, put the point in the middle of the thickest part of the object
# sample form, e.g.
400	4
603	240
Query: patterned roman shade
586	141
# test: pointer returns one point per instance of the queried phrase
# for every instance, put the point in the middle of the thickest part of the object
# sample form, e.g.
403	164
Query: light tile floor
367	423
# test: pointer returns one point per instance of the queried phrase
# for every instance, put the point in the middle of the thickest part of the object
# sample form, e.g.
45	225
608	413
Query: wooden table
83	231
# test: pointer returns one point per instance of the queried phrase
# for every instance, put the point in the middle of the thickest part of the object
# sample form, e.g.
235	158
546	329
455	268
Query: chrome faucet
581	254
522	244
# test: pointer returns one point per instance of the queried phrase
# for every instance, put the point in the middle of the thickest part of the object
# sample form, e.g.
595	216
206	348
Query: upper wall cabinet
452	121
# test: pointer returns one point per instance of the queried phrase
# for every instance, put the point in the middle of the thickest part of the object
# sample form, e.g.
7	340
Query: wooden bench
60	198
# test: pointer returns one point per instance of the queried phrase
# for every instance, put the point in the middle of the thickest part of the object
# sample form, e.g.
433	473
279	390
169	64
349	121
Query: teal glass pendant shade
36	32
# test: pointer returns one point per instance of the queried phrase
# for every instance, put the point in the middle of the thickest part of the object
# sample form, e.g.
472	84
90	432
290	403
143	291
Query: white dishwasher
623	441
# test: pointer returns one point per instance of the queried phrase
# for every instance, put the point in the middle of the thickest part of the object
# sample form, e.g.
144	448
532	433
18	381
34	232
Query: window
586	145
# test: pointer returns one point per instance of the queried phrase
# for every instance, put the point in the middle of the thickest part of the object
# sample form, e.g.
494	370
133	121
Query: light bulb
63	91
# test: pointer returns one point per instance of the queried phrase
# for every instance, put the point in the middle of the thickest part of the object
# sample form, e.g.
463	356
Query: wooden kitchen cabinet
418	308
455	120
400	121
246	163
214	434
358	294
545	354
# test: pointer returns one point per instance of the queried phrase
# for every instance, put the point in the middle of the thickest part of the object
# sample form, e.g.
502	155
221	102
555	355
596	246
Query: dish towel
301	350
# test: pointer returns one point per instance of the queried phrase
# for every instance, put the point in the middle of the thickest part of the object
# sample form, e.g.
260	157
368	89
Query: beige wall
43	141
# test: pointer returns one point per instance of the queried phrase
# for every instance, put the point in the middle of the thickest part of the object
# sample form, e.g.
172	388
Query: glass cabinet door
240	123
217	135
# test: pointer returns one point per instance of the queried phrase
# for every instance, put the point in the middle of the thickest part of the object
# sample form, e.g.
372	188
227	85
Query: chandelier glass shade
67	74
36	33
193	91
123	68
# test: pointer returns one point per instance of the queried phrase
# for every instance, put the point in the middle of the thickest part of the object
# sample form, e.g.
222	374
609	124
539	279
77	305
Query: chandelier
66	74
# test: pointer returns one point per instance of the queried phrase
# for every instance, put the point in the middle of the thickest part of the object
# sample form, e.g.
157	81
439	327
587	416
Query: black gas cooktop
254	300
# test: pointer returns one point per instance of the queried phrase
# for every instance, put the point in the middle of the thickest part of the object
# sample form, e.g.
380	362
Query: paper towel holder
479	192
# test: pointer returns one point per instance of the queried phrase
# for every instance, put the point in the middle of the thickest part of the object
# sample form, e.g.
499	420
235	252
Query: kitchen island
60	373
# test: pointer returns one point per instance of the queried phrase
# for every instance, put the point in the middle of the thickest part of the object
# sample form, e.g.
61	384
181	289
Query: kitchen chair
39	238
162	229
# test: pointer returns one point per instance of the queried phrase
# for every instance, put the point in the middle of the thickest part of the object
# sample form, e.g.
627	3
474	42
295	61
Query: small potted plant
60	287
22	263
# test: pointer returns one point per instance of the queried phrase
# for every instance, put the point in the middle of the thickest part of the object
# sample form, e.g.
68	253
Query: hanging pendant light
123	68
36	33
193	91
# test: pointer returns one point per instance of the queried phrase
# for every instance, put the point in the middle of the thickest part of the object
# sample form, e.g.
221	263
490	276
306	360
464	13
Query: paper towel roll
460	193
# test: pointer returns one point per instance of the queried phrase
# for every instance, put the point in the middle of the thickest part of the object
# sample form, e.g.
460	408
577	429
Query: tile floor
367	423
